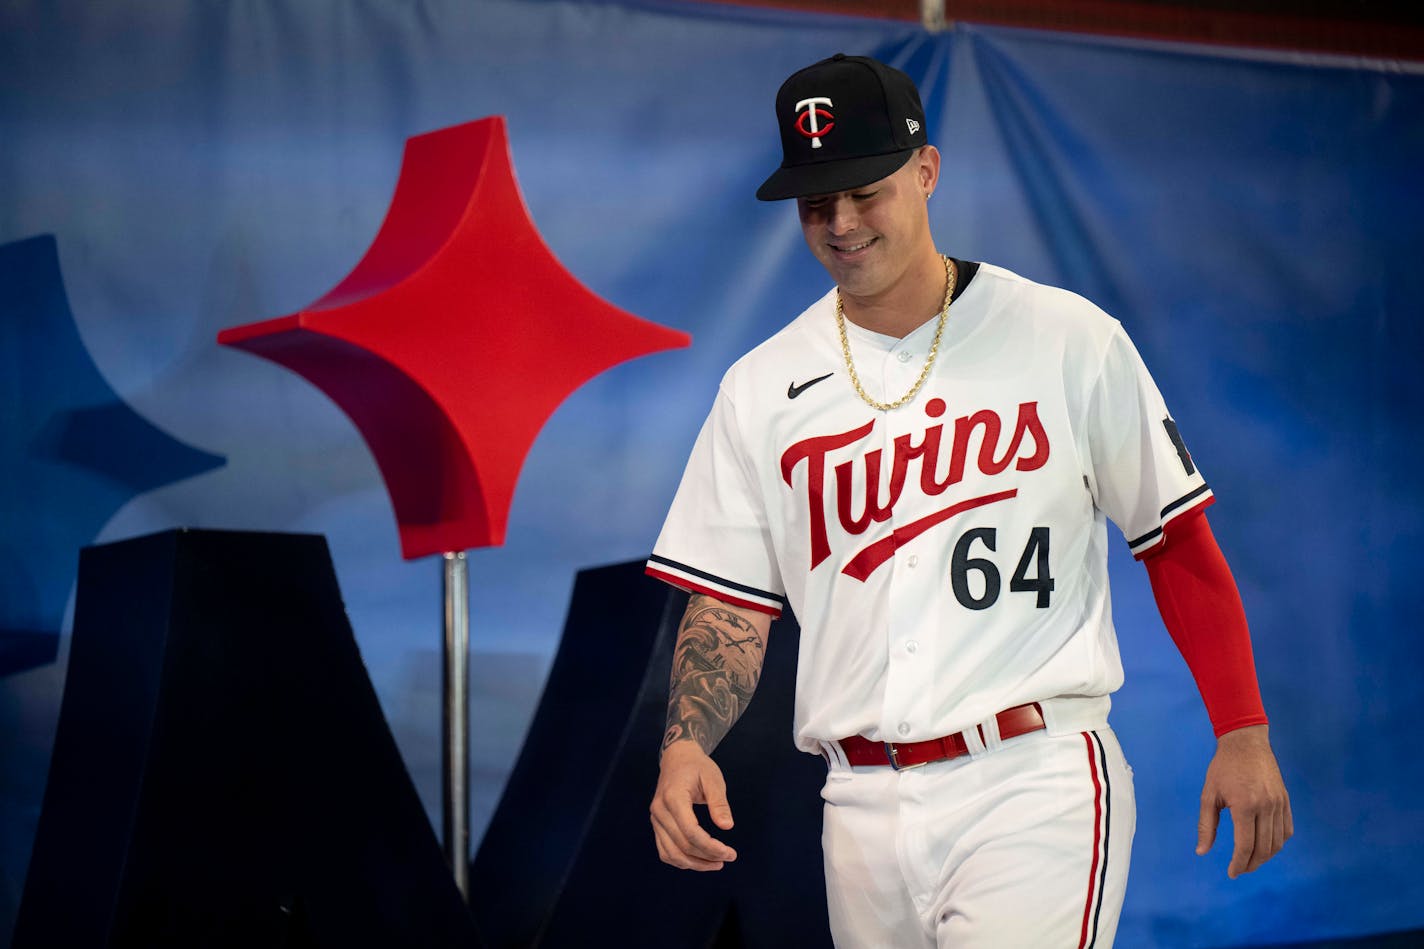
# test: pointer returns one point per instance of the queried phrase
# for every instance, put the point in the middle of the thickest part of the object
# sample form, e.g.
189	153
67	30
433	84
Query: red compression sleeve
1199	602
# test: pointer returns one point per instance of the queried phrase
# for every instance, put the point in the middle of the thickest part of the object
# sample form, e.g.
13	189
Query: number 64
1035	553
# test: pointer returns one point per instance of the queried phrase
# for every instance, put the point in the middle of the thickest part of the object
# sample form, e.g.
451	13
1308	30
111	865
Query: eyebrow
865	190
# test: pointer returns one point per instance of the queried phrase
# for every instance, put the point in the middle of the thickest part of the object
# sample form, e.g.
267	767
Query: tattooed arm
715	668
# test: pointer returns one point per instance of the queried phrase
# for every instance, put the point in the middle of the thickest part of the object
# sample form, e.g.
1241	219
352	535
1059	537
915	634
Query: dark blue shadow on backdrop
223	775
74	452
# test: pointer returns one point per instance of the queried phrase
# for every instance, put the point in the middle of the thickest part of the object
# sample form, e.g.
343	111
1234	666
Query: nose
841	215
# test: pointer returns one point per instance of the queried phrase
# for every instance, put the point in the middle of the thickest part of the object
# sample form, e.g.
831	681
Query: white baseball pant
1024	844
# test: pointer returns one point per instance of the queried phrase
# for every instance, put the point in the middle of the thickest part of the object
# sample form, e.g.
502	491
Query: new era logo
912	125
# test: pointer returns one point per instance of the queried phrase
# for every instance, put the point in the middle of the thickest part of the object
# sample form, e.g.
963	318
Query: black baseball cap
845	122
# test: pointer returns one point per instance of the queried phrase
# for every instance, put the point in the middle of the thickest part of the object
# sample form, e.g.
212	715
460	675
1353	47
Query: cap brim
832	176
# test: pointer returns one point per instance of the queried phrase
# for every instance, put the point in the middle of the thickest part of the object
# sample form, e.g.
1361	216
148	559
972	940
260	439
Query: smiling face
872	240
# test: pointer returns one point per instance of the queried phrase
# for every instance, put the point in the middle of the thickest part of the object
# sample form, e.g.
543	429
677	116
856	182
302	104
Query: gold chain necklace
950	275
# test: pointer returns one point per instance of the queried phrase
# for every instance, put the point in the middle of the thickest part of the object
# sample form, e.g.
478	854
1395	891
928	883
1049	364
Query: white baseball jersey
946	559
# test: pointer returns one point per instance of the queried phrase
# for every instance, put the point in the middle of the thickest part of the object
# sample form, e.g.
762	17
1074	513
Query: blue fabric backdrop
1253	220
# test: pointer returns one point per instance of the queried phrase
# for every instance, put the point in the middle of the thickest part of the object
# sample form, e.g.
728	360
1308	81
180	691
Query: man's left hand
1244	776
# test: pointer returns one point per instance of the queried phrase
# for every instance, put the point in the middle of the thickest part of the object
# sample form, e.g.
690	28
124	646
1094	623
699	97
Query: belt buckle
895	764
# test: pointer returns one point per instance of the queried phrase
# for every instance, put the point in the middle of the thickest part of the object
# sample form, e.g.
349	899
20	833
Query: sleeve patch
1178	444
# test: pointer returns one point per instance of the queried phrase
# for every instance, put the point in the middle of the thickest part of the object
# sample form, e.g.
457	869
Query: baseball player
923	464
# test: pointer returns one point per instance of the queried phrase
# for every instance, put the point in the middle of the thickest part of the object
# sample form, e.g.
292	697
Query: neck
915	298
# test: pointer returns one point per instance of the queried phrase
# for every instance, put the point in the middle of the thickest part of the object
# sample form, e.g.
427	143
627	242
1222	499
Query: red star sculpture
454	339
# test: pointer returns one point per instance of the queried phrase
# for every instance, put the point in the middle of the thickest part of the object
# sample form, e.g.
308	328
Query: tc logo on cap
808	121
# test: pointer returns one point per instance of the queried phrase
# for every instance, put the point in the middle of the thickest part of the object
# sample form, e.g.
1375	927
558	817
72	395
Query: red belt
1013	722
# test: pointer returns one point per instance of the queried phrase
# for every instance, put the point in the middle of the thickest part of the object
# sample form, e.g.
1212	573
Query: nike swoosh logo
793	390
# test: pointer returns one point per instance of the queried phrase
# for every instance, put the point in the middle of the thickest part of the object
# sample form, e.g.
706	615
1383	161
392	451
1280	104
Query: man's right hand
689	776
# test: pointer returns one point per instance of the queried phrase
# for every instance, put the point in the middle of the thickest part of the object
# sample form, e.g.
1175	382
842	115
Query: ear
927	168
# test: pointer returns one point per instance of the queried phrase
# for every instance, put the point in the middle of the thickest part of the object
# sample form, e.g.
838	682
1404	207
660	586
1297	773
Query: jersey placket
909	680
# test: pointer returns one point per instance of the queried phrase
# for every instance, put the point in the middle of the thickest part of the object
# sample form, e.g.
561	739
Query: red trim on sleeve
1176	517
683	583
1201	607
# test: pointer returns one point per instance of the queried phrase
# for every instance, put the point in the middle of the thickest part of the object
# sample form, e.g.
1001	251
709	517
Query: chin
859	280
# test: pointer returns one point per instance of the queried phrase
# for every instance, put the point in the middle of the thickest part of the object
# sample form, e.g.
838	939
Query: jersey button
904	729
912	559
912	646
904	357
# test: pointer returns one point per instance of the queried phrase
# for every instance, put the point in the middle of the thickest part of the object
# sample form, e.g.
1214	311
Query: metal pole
456	720
932	16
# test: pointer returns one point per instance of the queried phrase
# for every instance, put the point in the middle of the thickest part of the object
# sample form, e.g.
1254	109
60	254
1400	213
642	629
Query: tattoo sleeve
715	668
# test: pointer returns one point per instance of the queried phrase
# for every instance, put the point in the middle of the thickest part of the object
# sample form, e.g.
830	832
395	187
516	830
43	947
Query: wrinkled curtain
1253	220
